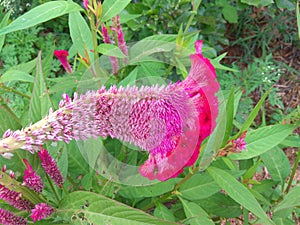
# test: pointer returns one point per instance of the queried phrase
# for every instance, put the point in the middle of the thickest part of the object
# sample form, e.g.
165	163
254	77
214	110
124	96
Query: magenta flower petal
50	167
8	218
31	179
41	211
86	4
62	55
14	198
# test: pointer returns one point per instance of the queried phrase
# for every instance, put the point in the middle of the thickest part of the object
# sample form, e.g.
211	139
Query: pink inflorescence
31	179
41	211
170	122
50	167
8	218
62	55
14	198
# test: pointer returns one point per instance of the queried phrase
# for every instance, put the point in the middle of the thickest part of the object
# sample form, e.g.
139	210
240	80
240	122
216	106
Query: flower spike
41	211
31	179
62	55
8	218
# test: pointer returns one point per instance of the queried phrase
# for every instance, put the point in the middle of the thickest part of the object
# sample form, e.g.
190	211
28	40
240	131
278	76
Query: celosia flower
120	36
113	60
86	4
41	211
169	122
8	218
31	179
62	55
240	144
50	167
14	198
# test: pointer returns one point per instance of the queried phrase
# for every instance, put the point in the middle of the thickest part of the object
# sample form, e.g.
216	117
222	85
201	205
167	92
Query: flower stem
14	91
53	188
193	13
295	166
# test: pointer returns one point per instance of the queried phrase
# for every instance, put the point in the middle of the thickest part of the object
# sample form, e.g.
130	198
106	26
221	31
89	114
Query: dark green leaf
229	117
263	139
292	199
163	212
230	13
277	164
195	214
238	192
40	14
3	23
199	186
99	209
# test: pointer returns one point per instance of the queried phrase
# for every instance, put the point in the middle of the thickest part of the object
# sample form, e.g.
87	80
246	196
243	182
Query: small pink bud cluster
41	211
31	179
117	29
8	218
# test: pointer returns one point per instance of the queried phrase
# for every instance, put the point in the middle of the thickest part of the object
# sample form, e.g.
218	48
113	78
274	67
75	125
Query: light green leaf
40	101
230	13
263	139
130	79
40	14
98	209
111	8
16	75
3	23
163	212
111	50
285	4
252	116
292	199
8	120
199	186
80	34
238	192
195	214
277	164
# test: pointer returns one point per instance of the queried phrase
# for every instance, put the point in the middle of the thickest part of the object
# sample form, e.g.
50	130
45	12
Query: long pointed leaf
238	192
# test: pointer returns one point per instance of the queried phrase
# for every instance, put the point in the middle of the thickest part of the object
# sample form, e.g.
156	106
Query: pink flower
8	218
86	4
113	60
50	167
31	179
41	211
14	198
240	144
120	40
62	55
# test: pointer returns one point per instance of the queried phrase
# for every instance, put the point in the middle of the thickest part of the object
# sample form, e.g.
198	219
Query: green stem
94	37
295	166
14	91
193	13
53	189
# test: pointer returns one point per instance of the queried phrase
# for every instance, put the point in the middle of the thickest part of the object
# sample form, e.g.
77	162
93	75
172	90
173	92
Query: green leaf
111	50
8	120
130	79
163	212
238	192
111	8
252	116
252	2
80	34
98	209
292	199
40	14
40	101
149	190
229	117
285	4
277	164
16	75
199	186
298	19
195	214
230	13
263	139
3	23
216	63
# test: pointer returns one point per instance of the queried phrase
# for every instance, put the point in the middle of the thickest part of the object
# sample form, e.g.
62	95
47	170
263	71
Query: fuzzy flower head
31	179
50	167
62	55
8	218
41	211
